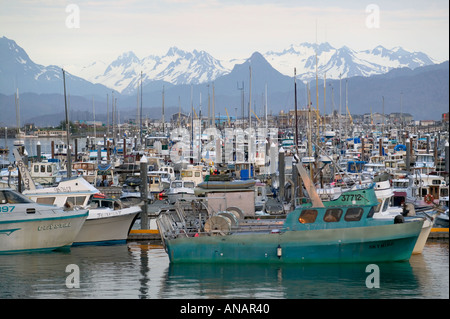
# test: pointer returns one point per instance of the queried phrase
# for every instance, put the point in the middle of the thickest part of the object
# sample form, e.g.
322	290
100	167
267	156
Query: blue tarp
400	147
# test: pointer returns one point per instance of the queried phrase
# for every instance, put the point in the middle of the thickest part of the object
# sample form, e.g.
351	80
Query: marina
188	222
225	158
252	196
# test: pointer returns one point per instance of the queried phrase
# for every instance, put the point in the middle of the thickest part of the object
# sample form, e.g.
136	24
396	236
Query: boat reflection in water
287	281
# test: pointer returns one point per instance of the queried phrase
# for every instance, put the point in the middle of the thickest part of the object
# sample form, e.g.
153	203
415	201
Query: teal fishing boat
338	231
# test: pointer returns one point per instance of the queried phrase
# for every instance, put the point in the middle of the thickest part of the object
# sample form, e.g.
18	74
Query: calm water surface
142	271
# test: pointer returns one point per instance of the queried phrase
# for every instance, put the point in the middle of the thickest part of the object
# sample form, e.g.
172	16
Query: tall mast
16	98
309	134
213	108
266	107
324	98
69	155
340	104
140	114
93	111
295	106
250	99
107	114
163	119
332	107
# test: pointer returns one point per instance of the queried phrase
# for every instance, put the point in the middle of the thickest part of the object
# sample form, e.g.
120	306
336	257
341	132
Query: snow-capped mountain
176	66
18	71
343	61
182	67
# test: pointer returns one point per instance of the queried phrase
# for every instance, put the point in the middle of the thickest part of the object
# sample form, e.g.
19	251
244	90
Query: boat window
197	174
36	168
444	192
332	215
76	200
371	212
189	184
42	168
385	205
49	169
9	197
177	184
46	200
353	214
308	216
377	208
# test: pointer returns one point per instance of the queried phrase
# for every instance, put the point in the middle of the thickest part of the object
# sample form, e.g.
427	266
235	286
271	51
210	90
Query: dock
438	233
143	234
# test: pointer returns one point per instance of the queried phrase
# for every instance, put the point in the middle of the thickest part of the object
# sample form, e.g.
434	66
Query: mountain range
196	78
181	67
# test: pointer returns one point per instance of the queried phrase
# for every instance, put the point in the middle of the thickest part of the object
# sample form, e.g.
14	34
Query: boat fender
399	219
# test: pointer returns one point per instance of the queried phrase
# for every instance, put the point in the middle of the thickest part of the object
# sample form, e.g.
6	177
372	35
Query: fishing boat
45	173
338	231
27	226
384	210
180	189
109	222
75	191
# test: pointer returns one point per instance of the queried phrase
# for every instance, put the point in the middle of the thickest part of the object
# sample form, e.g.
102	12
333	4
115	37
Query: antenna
242	98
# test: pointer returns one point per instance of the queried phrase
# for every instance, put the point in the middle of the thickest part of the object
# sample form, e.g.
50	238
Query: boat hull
40	234
107	227
423	237
386	243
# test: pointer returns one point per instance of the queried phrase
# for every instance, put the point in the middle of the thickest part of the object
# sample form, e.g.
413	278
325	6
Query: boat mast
93	111
213	107
16	100
69	155
324	99
163	120
309	134
295	106
140	113
250	100
266	108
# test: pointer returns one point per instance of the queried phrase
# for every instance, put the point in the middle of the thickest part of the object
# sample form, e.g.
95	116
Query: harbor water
141	270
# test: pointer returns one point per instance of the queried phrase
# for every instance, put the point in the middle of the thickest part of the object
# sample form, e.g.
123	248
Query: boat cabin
193	173
351	209
44	173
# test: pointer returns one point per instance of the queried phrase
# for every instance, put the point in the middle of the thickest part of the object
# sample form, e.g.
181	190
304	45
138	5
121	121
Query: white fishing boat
28	226
44	173
384	210
109	222
75	191
180	189
194	173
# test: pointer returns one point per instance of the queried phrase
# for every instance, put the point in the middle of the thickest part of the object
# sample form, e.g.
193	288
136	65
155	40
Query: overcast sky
224	28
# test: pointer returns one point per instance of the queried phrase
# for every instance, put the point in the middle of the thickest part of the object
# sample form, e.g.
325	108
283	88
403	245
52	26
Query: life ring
428	198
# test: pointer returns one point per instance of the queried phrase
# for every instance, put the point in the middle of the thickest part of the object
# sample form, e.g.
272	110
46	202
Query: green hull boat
338	231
